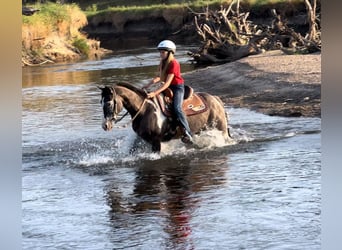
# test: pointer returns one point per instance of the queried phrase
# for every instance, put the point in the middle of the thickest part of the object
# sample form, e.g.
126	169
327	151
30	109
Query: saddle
193	103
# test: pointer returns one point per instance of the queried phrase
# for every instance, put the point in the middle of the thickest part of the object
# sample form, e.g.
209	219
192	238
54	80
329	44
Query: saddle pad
191	106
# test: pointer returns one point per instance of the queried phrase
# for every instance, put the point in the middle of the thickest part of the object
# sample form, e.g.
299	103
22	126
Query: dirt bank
53	35
272	83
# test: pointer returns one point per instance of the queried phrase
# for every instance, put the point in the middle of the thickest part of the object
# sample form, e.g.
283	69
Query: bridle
116	112
113	105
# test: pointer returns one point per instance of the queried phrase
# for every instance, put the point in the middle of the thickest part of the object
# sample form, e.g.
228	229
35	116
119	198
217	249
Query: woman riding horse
170	77
148	117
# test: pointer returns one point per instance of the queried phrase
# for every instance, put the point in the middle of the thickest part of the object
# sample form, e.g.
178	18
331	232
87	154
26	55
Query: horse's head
112	106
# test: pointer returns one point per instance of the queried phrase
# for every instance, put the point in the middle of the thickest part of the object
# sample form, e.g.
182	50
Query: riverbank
272	83
53	35
66	32
113	25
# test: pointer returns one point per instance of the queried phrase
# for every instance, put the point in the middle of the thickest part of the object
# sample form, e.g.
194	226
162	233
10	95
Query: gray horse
150	119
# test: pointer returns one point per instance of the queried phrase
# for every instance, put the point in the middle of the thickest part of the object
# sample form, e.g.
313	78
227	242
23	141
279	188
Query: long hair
164	65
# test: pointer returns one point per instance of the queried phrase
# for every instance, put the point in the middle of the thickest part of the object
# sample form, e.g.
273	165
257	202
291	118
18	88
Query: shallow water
82	189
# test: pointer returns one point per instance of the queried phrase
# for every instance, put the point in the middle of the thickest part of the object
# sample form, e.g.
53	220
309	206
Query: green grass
135	9
50	13
54	20
141	7
101	5
82	45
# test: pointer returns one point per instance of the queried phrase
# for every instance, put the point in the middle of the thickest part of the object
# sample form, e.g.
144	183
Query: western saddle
193	103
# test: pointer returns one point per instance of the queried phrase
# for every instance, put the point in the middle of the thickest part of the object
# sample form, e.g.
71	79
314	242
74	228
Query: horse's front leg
156	146
138	145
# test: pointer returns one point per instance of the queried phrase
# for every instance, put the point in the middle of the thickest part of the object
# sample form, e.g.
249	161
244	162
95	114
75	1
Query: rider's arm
153	81
163	87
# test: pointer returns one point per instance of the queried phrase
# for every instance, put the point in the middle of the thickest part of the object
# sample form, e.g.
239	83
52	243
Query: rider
170	77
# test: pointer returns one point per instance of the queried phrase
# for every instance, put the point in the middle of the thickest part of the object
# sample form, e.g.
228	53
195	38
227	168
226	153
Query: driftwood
26	63
28	11
228	35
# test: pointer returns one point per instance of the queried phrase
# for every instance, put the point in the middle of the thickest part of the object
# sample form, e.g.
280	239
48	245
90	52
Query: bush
54	30
82	45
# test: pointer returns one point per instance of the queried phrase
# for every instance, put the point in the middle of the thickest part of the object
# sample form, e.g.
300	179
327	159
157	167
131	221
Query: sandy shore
272	83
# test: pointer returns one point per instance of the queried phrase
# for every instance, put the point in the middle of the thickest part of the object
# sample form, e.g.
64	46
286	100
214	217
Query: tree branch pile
228	35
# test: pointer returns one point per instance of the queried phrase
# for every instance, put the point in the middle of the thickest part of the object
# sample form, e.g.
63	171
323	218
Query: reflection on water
170	192
120	67
46	77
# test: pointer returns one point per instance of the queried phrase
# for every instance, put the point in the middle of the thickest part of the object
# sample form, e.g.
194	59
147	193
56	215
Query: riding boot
186	138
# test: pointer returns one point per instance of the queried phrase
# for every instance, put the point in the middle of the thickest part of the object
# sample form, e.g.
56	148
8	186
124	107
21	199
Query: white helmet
167	45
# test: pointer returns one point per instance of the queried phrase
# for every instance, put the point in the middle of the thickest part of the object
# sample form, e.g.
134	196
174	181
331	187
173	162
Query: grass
141	7
53	13
56	16
101	5
82	45
54	24
130	9
49	14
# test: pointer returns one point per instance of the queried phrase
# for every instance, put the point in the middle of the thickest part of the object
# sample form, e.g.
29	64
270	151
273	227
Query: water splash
91	160
123	152
212	139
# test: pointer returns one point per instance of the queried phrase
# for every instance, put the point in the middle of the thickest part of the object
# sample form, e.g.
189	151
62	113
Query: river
82	189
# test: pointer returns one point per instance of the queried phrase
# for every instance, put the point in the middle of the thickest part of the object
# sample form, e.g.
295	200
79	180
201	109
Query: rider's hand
151	95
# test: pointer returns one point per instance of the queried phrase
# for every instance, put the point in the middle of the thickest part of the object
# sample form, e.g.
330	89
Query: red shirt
174	68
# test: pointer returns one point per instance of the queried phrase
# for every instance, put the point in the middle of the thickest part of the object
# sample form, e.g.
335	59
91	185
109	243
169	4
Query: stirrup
187	138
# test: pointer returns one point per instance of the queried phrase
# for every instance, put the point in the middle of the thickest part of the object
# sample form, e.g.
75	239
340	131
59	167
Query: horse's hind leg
222	125
222	119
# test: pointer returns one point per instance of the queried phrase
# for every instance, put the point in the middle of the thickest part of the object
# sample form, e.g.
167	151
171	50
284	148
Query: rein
135	116
118	120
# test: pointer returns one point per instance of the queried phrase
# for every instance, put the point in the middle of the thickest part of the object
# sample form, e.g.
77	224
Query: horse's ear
101	87
112	90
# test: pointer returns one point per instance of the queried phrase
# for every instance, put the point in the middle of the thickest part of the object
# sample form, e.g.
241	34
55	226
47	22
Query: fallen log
26	63
28	11
228	35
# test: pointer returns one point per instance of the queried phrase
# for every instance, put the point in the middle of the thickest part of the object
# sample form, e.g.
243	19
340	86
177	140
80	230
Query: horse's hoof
186	139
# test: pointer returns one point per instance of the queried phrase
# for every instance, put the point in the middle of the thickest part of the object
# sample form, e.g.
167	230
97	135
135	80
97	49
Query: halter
115	111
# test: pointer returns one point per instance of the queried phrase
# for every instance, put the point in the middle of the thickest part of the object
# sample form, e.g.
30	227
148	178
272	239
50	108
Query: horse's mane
131	87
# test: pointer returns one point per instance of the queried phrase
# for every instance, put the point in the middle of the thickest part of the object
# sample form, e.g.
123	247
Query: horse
148	117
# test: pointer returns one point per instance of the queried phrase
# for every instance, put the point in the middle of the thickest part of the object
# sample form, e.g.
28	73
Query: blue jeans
178	96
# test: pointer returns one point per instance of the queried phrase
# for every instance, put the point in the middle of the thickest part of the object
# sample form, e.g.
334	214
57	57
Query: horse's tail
219	100
226	115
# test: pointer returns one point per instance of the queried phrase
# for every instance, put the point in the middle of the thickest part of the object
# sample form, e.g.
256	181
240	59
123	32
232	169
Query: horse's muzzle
107	125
